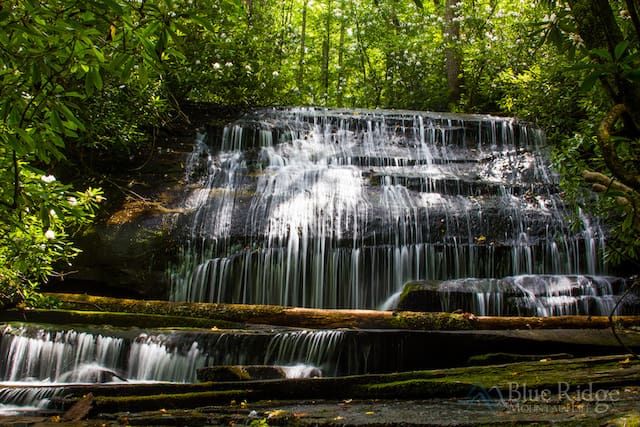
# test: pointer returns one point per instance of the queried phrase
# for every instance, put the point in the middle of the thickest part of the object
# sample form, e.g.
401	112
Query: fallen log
236	314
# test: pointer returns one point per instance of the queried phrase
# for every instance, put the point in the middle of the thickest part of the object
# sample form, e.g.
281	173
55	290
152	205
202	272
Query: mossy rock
431	321
420	295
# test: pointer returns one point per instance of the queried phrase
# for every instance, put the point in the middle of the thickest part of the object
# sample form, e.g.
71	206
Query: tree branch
614	163
627	197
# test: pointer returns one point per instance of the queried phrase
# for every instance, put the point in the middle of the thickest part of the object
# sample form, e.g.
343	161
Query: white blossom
48	178
50	234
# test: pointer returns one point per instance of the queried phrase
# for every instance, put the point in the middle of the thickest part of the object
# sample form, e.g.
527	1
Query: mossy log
235	314
563	375
117	319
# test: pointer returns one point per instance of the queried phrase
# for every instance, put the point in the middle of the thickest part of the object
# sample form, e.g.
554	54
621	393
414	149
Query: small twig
127	191
151	152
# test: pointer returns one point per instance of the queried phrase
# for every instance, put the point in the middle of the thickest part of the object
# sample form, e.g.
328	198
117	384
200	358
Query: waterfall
338	209
68	356
41	358
523	295
44	356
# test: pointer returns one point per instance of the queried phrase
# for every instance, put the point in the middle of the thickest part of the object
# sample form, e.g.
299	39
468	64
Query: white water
43	360
333	208
523	295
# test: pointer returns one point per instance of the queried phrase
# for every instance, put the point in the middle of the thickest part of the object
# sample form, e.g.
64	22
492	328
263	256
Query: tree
66	68
606	35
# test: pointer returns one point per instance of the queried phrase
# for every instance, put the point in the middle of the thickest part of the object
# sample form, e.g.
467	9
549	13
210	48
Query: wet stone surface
616	407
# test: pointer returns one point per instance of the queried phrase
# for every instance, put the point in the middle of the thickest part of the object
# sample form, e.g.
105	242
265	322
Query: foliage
605	146
35	238
60	64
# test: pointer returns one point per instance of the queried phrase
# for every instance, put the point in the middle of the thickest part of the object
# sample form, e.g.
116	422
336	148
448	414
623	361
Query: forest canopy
84	77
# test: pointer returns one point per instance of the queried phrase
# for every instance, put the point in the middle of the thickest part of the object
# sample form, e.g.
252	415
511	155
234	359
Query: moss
431	321
168	401
117	319
217	312
415	388
457	382
626	420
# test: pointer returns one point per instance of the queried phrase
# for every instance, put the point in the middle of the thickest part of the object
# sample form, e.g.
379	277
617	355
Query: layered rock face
335	208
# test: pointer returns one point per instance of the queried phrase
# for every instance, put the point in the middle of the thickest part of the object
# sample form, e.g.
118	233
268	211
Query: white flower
216	65
72	200
53	213
275	74
228	64
50	234
48	178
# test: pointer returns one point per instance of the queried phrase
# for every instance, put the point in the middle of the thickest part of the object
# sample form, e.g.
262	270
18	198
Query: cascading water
45	358
334	208
82	357
524	295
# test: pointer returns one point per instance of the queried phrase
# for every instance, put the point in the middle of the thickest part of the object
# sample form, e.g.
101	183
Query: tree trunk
339	84
326	47
598	29
303	36
453	56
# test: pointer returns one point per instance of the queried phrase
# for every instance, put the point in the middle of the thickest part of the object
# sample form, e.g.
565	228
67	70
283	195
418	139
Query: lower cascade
332	208
45	358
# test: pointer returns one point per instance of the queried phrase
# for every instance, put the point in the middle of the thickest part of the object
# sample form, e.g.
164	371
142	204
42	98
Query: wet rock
240	373
523	295
80	410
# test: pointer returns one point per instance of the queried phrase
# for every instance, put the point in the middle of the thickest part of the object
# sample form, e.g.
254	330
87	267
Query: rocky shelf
585	391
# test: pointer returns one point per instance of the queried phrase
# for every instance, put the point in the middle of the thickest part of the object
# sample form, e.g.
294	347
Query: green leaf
26	138
89	87
55	122
96	78
633	74
602	54
620	49
71	119
205	23
36	77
